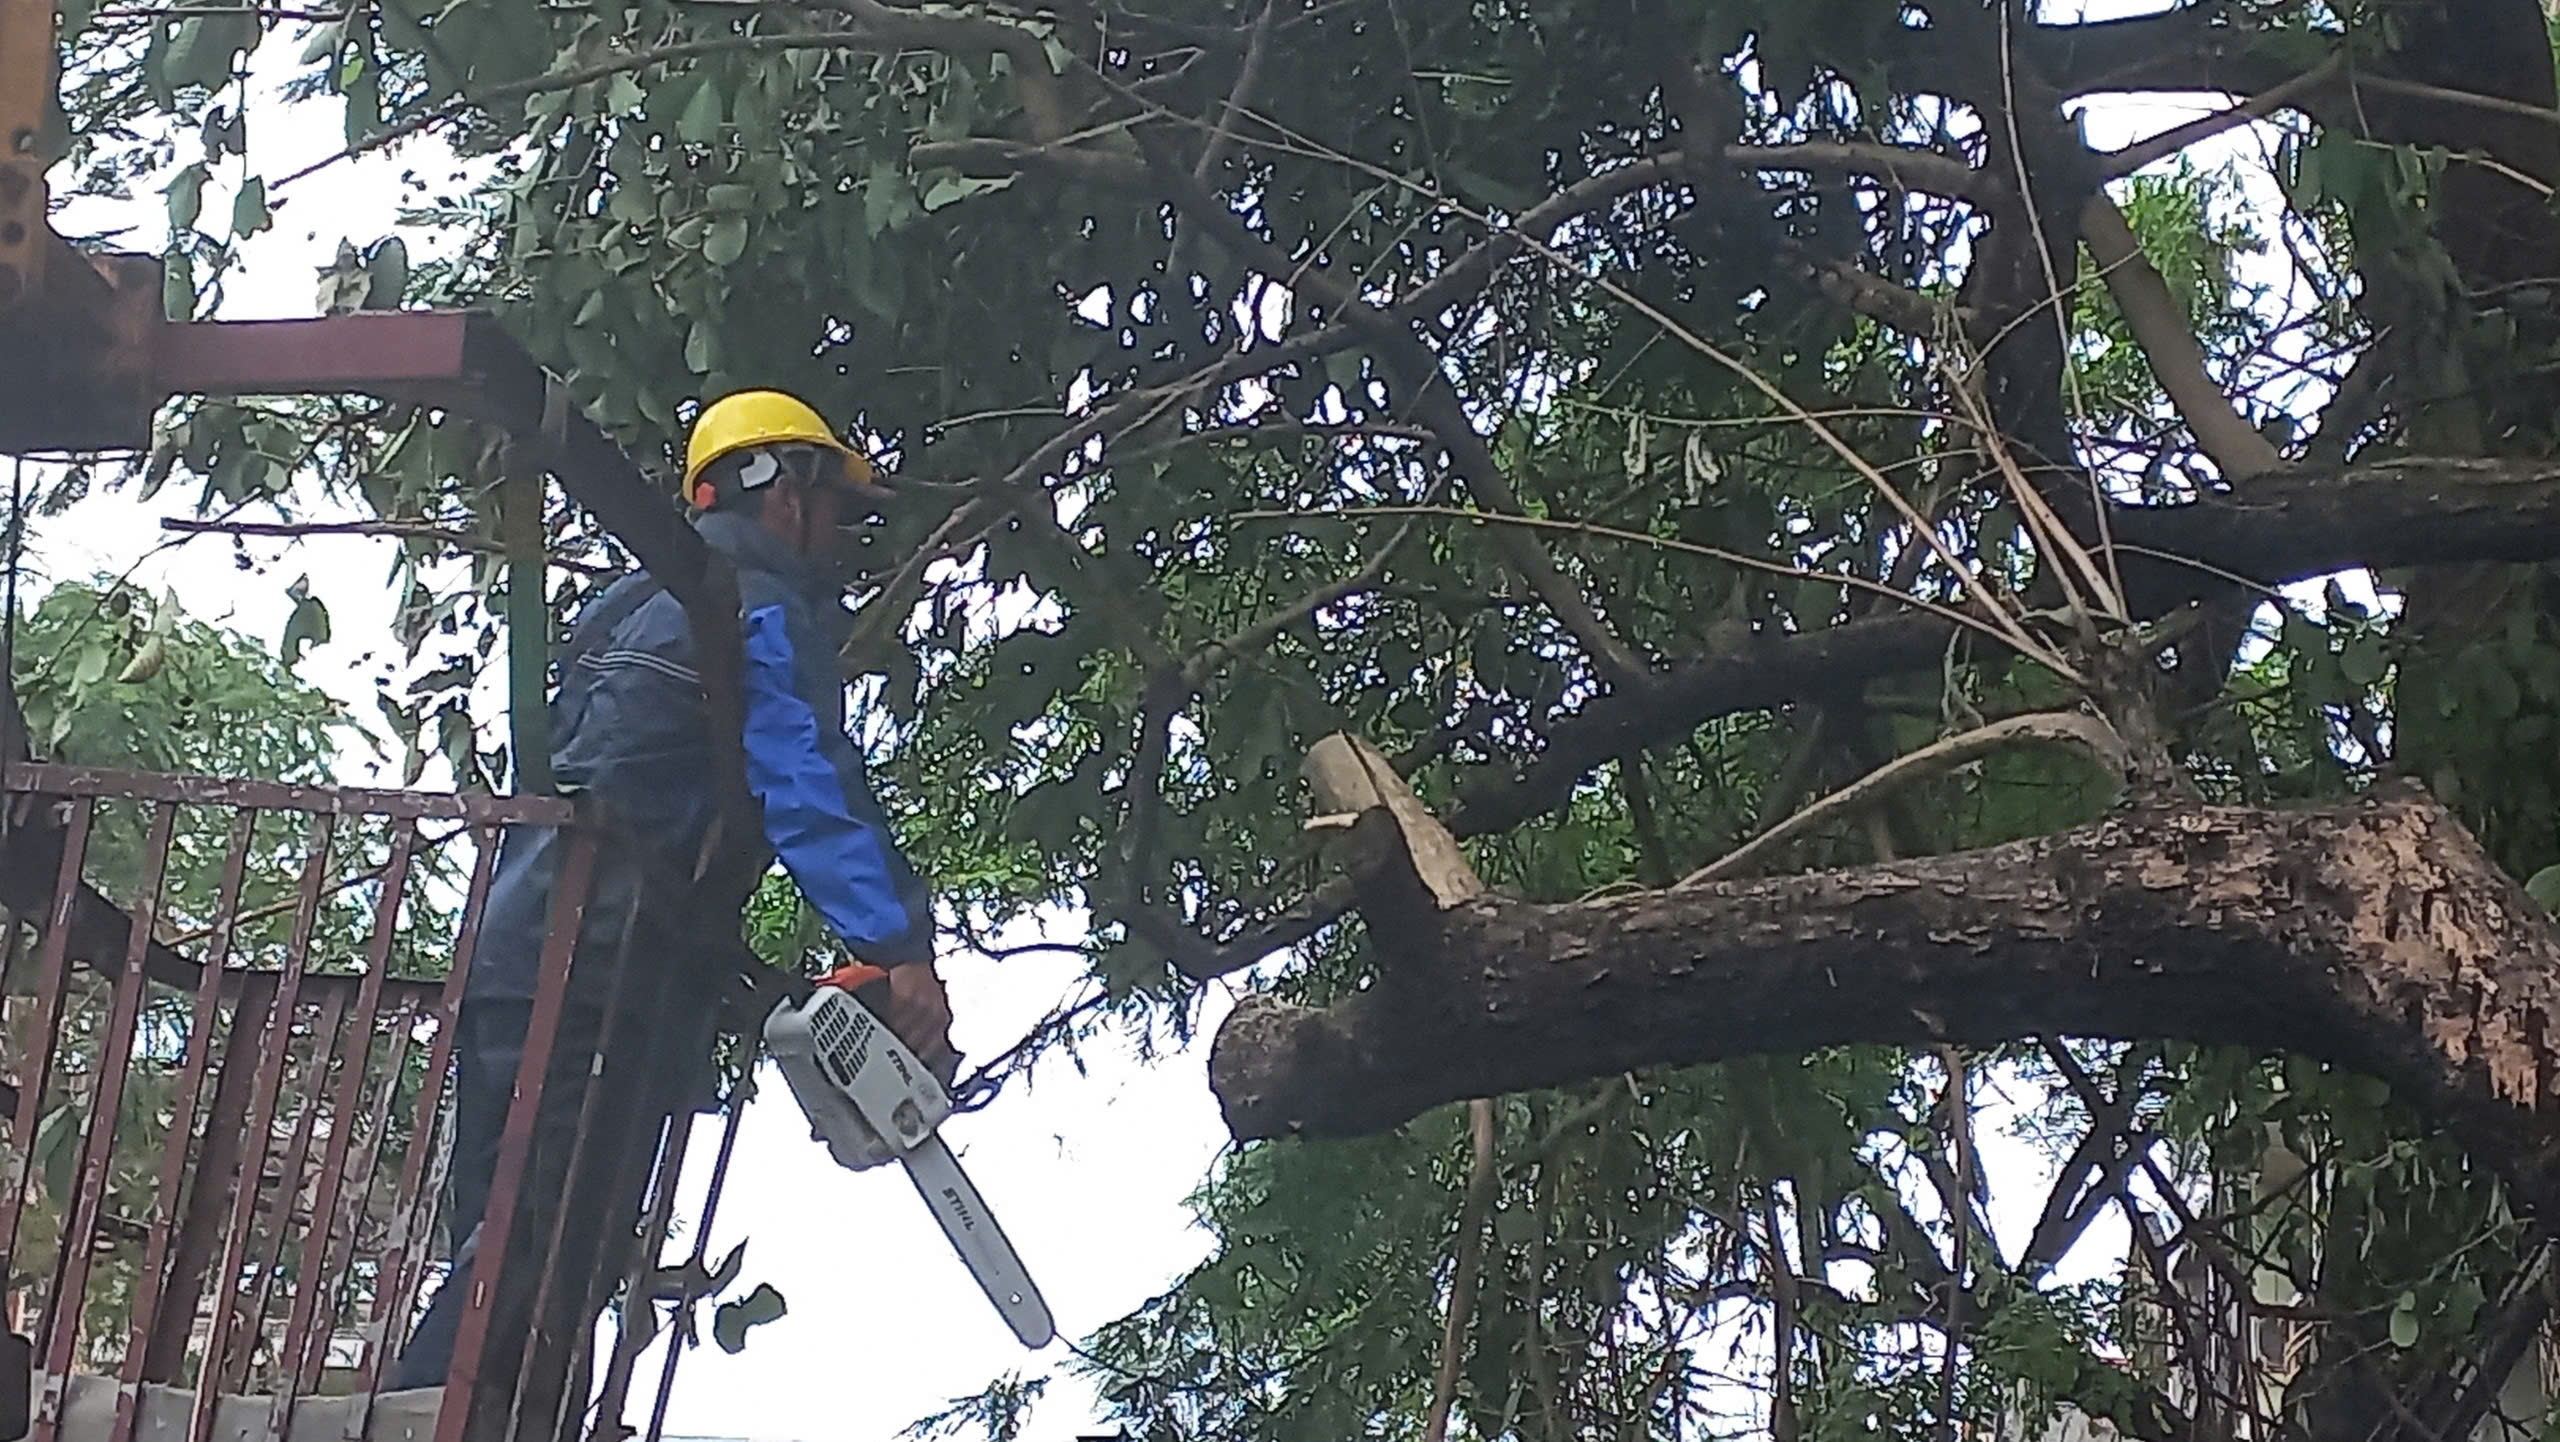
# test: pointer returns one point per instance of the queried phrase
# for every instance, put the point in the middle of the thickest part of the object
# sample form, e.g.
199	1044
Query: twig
1262	633
2418	91
1214	153
2072	728
1713	553
397	530
570	80
1432	403
1462	1284
1960	1206
426	844
1786	1312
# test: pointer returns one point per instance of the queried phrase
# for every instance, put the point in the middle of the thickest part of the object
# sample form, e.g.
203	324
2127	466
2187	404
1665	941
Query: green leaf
387	274
249	213
325	42
1485	191
730	1322
726	1272
308	626
186	196
2363	659
2404	1322
725	241
178	287
623	95
2545	887
697	348
703	114
952	189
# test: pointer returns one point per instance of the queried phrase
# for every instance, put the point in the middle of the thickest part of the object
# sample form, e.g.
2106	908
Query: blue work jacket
627	727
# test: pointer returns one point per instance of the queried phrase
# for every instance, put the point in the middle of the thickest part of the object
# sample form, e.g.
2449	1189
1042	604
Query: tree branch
2066	728
2160	327
1462	1281
1429	400
2286	526
1214	154
2377	935
397	530
2116	164
1042	93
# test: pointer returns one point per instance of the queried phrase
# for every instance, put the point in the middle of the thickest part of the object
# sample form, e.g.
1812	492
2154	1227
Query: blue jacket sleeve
819	814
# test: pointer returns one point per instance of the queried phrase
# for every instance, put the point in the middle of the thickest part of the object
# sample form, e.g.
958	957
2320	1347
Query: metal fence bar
702	1234
590	1099
55	779
568	910
207	1203
328	1034
50	977
392	1291
262	1106
98	1136
311	1272
633	1170
628	1341
346	1229
182	1123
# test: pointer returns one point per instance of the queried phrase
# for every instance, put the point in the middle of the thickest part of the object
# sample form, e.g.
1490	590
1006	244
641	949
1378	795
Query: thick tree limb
2378	936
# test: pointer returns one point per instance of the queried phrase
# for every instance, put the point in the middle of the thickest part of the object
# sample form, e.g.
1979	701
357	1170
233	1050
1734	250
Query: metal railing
230	1027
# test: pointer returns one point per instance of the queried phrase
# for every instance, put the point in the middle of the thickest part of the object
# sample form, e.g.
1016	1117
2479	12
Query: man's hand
918	1011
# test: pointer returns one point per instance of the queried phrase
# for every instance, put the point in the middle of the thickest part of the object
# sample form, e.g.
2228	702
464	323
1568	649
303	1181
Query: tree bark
2378	936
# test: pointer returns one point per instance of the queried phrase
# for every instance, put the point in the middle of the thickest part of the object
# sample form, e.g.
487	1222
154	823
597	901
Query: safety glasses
764	465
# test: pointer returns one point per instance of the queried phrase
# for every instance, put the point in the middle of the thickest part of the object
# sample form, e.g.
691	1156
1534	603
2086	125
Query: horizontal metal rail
56	779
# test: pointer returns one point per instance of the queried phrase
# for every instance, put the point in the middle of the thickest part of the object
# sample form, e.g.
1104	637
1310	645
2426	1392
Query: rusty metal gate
229	1018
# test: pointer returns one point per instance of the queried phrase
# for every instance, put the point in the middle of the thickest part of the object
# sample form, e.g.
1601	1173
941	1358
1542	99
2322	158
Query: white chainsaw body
871	1101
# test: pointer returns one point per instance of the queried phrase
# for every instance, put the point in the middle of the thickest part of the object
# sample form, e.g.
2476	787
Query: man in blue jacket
774	488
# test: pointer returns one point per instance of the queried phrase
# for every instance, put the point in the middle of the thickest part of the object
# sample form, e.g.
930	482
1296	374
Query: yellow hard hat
757	418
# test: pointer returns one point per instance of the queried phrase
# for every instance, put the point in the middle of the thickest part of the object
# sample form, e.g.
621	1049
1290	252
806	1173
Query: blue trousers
660	1054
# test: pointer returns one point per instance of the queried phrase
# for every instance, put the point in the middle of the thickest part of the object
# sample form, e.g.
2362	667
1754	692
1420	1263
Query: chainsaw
872	1102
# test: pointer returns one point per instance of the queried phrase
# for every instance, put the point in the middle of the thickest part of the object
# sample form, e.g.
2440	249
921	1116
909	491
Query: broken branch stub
2378	936
1351	777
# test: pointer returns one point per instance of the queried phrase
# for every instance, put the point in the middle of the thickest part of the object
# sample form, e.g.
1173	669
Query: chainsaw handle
853	976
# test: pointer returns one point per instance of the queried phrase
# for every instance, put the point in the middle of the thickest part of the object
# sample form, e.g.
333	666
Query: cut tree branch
2378	936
